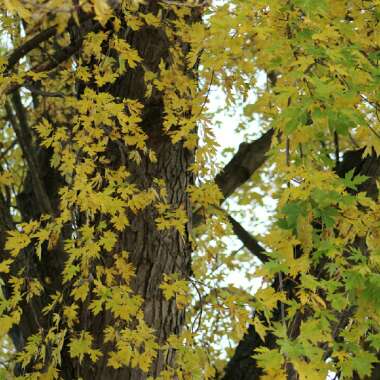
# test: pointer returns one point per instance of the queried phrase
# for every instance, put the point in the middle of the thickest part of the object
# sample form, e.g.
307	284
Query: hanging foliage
119	216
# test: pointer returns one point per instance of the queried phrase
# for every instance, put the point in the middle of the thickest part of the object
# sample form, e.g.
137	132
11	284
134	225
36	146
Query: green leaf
352	182
292	211
312	6
374	340
363	362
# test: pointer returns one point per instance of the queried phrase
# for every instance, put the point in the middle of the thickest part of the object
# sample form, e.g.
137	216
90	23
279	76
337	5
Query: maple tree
115	216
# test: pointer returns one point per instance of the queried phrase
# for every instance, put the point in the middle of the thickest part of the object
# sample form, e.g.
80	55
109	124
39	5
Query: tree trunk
152	252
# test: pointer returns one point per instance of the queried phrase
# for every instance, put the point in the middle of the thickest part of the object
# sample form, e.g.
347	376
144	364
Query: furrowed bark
153	252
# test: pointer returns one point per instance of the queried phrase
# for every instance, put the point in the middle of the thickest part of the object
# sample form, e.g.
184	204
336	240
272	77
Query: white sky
224	127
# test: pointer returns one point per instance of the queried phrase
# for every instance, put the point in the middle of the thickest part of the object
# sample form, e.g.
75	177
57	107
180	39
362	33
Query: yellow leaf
70	313
16	242
260	328
80	292
17	7
4	265
102	10
83	346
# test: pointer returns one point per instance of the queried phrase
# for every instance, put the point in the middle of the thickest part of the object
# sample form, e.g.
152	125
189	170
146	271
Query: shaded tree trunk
152	252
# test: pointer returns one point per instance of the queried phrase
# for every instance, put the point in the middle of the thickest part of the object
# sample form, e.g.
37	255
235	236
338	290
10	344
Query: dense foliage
116	216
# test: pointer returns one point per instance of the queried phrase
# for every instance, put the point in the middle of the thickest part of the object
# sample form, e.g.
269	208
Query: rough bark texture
152	252
155	252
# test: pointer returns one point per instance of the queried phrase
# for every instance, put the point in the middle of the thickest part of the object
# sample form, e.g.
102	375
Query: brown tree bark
152	252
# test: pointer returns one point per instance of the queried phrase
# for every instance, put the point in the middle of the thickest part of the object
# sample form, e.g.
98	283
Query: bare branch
59	57
29	45
41	37
245	162
9	148
248	158
24	138
49	94
248	240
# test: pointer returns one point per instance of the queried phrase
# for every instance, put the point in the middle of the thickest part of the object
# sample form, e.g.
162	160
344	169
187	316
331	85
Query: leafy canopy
320	61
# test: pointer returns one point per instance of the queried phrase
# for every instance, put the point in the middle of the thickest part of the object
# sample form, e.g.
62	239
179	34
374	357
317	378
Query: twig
199	314
353	140
373	131
37	91
197	4
59	57
336	144
207	94
10	147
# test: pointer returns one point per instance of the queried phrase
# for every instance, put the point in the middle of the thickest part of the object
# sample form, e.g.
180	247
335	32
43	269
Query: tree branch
43	36
59	57
48	94
248	158
244	163
8	149
248	240
24	138
28	46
